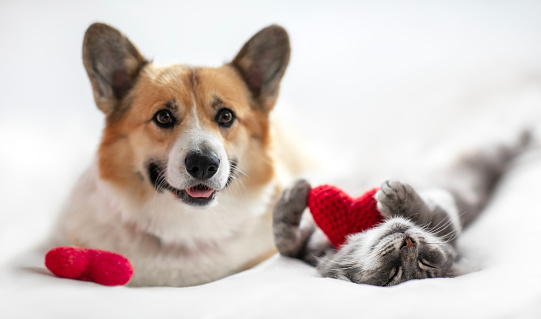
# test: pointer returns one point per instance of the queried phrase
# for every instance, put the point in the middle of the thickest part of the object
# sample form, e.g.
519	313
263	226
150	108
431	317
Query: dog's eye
164	119
225	117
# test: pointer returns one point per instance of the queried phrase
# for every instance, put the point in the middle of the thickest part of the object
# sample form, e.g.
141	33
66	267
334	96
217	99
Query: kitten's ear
262	63
112	63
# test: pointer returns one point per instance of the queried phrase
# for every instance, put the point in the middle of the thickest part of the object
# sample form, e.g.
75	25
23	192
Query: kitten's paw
292	203
395	198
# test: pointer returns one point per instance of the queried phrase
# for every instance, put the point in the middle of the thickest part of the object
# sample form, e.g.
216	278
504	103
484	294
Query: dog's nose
202	164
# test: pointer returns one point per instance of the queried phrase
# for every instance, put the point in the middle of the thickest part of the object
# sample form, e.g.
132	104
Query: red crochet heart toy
339	215
102	267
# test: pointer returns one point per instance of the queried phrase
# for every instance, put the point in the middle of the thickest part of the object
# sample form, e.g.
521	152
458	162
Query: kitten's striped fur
418	237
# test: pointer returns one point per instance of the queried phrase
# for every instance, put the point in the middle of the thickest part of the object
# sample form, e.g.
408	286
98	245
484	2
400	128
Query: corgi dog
186	172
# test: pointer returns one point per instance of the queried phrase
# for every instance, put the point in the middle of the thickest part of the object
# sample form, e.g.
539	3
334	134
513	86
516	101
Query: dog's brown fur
116	206
133	136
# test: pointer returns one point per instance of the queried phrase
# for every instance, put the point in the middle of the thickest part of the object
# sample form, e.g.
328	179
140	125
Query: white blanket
375	91
504	245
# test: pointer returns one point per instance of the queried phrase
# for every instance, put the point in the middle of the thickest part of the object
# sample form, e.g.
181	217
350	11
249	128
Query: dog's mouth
197	195
200	191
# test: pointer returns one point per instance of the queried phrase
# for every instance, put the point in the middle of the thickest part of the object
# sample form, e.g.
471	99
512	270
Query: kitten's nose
408	243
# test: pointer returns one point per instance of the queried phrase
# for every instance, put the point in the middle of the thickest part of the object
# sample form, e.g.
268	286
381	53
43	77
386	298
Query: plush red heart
100	266
339	215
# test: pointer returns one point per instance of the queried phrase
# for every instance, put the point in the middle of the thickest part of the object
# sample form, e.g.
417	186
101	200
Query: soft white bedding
504	245
375	91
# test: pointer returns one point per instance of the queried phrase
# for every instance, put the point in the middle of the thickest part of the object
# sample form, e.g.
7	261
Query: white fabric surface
375	91
507	285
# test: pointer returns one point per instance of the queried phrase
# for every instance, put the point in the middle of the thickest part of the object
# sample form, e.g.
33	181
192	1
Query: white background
373	88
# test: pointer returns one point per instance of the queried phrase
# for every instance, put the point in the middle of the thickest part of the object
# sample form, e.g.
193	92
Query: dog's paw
292	203
395	198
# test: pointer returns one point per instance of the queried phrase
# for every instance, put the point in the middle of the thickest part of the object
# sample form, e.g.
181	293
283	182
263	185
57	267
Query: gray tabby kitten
418	236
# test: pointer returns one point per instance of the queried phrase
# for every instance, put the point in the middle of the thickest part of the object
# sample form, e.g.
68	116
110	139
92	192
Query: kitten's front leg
397	199
295	233
435	209
287	215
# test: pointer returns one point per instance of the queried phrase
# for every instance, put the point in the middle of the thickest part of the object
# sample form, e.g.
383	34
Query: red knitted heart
100	266
339	215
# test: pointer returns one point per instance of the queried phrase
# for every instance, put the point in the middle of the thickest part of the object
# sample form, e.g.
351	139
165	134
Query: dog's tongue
199	191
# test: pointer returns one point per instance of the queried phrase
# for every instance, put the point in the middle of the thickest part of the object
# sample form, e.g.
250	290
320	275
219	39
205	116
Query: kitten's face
394	252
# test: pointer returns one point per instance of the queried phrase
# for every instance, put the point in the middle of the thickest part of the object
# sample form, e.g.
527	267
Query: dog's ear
262	62
112	63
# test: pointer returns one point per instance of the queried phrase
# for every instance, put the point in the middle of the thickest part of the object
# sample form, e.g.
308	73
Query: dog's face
188	131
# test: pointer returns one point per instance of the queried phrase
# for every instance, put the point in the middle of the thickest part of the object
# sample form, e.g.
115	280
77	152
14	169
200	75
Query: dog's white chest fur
168	242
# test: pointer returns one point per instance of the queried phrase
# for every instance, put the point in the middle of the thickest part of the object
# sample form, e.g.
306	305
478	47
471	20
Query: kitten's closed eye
425	264
395	274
